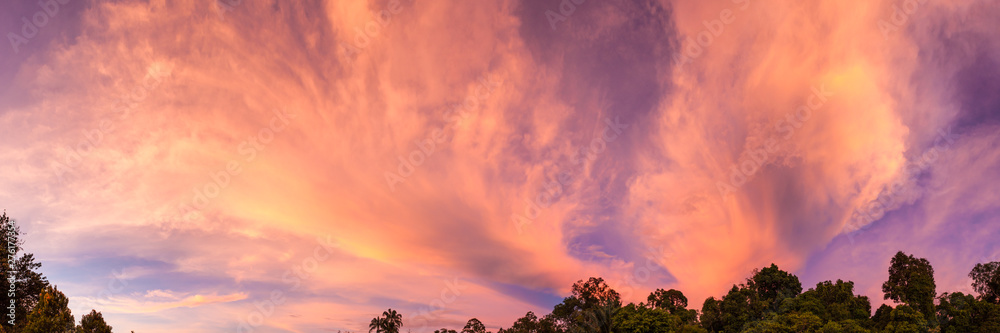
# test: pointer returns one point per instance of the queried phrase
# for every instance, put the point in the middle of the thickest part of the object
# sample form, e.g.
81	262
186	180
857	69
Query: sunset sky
299	166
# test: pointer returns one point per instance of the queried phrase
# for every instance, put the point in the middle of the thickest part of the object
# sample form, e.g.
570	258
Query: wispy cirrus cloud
370	82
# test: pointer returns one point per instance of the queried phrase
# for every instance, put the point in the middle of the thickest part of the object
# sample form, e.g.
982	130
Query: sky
301	166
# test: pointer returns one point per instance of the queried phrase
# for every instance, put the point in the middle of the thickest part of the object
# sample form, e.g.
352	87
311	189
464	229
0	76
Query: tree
598	319
788	322
674	302
773	285
377	324
911	281
531	324
474	326
640	319
738	308
986	281
671	300
93	323
445	330
393	321
51	314
711	315
954	312
831	302
594	293
389	322
526	324
906	319
29	282
586	295
881	317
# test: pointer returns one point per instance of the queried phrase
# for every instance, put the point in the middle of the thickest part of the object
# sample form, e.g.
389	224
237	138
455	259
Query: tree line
31	304
769	301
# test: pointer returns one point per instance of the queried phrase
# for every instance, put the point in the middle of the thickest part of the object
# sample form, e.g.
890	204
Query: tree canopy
911	281
38	306
771	300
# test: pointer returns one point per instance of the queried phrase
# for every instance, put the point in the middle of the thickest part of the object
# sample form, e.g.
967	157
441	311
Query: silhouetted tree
93	322
377	324
772	286
986	281
674	302
911	281
671	300
586	295
29	283
389	322
711	315
474	326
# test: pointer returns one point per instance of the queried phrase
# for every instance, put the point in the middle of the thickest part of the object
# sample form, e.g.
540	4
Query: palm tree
389	322
599	319
377	325
392	321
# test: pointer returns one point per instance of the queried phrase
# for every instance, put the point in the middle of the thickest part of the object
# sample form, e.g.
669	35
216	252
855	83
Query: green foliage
672	300
882	316
771	301
587	295
639	319
911	281
986	281
597	319
711	315
738	308
958	312
30	283
906	319
789	322
93	322
51	314
531	324
772	286
831	302
954	312
675	303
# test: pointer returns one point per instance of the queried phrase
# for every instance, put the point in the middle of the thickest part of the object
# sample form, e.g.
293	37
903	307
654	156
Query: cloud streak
510	148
